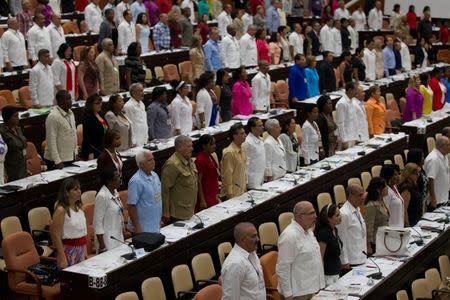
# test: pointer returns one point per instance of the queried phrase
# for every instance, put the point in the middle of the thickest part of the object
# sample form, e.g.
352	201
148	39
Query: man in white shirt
261	88
375	19
405	54
296	40
247	19
369	60
42	91
231	57
341	11
247	47
56	34
436	167
352	229
93	16
224	19
360	18
361	116
38	38
13	47
135	111
126	33
136	8
242	276
120	9
346	118
60	133
337	38
299	266
256	155
326	36
354	35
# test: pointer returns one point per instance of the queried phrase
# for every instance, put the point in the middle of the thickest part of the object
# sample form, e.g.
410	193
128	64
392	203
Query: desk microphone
295	178
418	242
377	275
128	256
251	201
200	225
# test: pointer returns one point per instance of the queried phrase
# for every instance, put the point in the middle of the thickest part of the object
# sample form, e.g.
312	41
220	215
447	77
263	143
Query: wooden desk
161	261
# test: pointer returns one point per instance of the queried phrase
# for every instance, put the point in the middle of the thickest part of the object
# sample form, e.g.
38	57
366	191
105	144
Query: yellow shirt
427	94
375	111
234	168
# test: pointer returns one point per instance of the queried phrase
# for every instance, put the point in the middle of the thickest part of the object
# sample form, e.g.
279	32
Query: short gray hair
140	155
134	87
441	142
106	40
181	139
271	124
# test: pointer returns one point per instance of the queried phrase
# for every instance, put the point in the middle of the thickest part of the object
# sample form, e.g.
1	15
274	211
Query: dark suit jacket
315	43
327	79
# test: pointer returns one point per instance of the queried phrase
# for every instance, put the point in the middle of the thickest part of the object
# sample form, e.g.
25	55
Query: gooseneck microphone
128	256
377	275
251	201
200	225
420	241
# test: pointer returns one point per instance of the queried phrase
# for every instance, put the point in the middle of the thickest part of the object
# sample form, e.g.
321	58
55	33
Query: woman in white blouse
311	138
290	142
108	211
275	152
393	201
206	112
64	71
360	18
181	108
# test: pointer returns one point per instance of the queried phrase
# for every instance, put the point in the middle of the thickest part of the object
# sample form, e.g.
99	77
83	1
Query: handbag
47	272
392	241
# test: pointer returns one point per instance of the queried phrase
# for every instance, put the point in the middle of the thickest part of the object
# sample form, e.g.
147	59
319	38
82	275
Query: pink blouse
241	98
263	50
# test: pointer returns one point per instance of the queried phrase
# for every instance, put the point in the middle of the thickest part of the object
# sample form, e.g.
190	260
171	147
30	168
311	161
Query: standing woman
275	48
241	93
379	60
414	100
143	31
181	108
289	139
207	111
262	47
275	152
13	145
329	242
376	213
175	29
427	94
415	156
94	128
88	74
68	229
285	46
208	173
65	72
311	137
203	28
410	193
223	83
134	65
393	200
119	122
312	77
345	67
326	124
375	111
197	57
109	155
108	211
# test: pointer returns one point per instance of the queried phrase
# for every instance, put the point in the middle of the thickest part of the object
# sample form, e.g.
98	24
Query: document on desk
327	295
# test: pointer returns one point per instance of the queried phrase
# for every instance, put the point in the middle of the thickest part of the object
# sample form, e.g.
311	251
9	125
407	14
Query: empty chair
25	97
268	235
339	194
323	199
153	289
365	179
437	135
268	265
434	278
203	268
406	151
185	70
210	292
159	73
420	289
284	219
398	160
387	162
376	171
223	250
170	72
354	180
281	91
127	296
88	197
402	295
39	219
10	225
431	144
182	281
444	266
9	97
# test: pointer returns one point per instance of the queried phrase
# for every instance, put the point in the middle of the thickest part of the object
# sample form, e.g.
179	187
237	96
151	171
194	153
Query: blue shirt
312	82
272	19
145	192
297	83
161	36
446	83
212	55
136	9
389	60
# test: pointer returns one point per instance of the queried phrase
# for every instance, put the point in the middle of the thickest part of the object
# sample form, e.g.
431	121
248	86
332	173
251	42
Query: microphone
295	178
251	201
377	275
418	242
128	256
200	225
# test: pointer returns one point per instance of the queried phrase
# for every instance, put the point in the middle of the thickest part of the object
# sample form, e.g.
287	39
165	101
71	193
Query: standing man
299	266
346	118
436	167
42	90
405	54
234	164
256	154
189	4
158	118
179	182
120	9
242	275
136	8
25	18
273	17
13	47
361	116
315	41
213	57
161	34
108	69
369	60
187	28
297	80
38	38
375	18
126	33
93	16
135	111
296	40
144	195
389	57
247	47
327	78
60	133
56	34
341	11
327	37
352	229
261	88
224	19
231	57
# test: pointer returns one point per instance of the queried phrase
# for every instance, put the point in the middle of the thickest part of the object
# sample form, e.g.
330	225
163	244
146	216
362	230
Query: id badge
158	197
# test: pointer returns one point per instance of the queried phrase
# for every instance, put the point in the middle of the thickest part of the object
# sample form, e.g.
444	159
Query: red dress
263	50
207	166
437	93
444	34
411	19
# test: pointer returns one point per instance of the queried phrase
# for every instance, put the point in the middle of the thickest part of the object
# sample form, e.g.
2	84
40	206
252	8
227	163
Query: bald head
360	93
443	145
241	229
305	215
446	132
252	30
246	236
355	194
56	19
